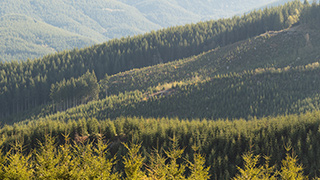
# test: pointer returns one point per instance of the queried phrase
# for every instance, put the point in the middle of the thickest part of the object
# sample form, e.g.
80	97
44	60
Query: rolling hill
269	75
27	37
27	85
101	20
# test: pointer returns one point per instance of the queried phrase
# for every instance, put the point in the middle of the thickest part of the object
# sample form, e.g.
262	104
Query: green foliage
197	168
24	37
93	161
104	168
252	171
73	92
157	168
133	162
251	74
222	142
47	160
257	93
174	170
290	168
67	167
26	85
19	166
310	15
211	86
169	166
89	161
79	161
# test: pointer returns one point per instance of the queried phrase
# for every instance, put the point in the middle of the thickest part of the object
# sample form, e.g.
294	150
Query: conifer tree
253	171
46	160
98	166
174	170
133	162
157	168
290	169
18	166
198	170
68	165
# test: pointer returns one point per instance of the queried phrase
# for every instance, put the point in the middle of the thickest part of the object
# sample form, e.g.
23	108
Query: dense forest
26	85
221	142
51	162
257	93
227	99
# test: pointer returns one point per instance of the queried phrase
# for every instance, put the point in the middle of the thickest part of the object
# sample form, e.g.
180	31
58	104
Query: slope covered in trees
23	37
283	55
267	85
70	93
101	20
257	93
274	49
30	82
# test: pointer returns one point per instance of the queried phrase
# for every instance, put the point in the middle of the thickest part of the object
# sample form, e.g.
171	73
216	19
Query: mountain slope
103	20
261	93
200	10
275	73
269	75
98	21
27	37
165	13
274	49
27	85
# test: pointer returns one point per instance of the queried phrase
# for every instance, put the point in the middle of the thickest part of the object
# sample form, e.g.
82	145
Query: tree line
223	142
73	92
91	160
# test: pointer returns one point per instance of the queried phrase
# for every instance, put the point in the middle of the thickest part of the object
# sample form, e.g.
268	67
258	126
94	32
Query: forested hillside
100	20
210	97
26	85
186	11
274	49
23	37
256	93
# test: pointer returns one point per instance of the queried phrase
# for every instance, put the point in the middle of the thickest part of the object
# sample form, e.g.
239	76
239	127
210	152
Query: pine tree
19	166
290	169
46	160
133	162
174	170
253	171
198	170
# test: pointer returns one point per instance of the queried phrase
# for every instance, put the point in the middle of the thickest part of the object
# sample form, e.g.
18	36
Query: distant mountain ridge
25	37
99	21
